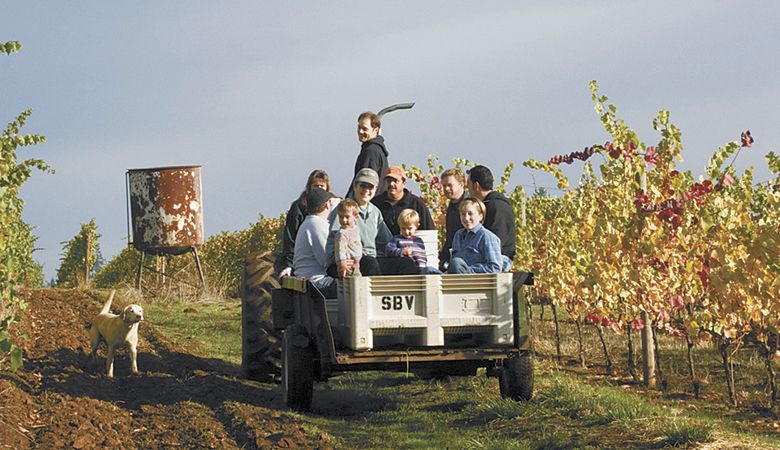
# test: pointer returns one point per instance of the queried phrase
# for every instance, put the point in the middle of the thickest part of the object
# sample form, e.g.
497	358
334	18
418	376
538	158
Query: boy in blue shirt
475	249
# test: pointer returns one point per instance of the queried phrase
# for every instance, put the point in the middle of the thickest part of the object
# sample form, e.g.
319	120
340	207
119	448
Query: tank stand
140	271
200	269
197	264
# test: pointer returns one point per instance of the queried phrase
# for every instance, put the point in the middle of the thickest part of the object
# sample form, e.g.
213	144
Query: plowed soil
61	400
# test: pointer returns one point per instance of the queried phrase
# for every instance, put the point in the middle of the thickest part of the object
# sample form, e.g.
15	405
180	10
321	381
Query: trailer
431	325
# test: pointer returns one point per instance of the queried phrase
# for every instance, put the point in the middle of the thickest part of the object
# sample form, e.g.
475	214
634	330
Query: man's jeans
458	265
327	285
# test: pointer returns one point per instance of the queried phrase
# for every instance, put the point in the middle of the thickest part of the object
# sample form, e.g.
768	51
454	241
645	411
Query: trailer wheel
297	368
516	378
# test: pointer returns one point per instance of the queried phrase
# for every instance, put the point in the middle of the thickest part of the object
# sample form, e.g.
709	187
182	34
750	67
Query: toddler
347	243
407	244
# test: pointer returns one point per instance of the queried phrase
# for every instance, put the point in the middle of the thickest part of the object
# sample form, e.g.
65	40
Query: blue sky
261	93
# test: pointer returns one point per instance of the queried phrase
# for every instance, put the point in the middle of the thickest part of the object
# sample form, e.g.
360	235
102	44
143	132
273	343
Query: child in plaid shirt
408	245
347	243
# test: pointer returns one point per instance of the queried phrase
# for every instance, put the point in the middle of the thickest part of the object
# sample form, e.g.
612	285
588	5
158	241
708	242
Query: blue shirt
479	248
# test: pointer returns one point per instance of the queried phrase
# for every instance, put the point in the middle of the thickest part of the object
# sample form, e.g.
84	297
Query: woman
374	233
295	216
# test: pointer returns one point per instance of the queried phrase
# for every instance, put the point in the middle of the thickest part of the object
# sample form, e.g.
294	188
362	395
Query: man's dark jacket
295	216
373	154
453	224
500	219
390	212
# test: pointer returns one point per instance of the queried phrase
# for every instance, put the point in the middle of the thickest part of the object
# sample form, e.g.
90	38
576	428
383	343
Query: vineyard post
648	351
648	347
87	257
557	331
163	268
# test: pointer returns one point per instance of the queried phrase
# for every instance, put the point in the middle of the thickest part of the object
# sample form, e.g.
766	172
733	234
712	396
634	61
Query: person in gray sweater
310	259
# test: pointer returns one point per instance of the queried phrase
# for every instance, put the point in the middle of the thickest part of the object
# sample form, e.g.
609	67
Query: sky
261	93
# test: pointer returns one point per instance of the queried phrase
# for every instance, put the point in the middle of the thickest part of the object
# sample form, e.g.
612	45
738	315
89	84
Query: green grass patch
684	432
209	329
602	404
571	407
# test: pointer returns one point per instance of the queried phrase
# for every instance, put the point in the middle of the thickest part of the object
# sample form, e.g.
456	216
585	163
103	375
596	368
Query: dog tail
107	304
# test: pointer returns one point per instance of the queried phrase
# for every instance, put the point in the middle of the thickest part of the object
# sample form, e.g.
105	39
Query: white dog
116	330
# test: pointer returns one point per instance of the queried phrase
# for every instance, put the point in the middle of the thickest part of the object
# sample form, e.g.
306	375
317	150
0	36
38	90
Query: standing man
453	182
499	215
373	153
397	198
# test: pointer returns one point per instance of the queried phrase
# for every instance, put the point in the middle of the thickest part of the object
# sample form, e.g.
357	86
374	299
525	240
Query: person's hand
407	251
346	267
286	272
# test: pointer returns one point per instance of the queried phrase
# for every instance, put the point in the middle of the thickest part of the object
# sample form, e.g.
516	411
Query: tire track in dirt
178	400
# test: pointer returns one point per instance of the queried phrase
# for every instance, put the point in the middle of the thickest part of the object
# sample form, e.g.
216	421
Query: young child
475	249
347	243
408	245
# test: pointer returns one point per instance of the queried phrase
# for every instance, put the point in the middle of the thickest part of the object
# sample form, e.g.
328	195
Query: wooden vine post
87	257
648	352
648	347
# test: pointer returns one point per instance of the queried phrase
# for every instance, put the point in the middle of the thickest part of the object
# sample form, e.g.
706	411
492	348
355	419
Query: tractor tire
297	369
261	344
516	377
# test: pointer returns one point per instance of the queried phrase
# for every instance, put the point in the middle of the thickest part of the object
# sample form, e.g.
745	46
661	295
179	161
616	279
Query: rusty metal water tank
166	209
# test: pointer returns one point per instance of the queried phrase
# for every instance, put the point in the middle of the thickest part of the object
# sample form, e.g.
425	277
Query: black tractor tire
516	377
297	368
261	344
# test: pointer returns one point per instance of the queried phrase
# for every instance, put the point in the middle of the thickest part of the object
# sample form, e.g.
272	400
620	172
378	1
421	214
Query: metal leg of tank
140	269
200	269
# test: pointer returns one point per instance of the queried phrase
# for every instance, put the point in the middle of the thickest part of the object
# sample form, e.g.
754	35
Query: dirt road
60	400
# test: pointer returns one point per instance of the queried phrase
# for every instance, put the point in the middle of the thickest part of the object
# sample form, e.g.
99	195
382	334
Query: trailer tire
297	369
516	378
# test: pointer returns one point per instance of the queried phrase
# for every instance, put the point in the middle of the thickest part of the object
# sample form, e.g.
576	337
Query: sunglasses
367	186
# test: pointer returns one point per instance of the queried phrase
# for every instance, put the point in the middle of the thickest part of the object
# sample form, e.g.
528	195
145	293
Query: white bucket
431	240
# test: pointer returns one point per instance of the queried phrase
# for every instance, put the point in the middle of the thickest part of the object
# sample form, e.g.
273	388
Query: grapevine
17	268
699	256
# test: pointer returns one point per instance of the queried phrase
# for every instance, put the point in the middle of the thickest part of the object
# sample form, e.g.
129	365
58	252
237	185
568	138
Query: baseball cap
315	198
367	175
396	172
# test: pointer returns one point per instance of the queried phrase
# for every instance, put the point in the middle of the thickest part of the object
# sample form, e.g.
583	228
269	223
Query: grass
365	411
213	329
572	407
683	431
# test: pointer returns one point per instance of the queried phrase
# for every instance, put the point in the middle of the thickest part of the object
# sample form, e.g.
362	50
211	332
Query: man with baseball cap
397	198
309	256
374	234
